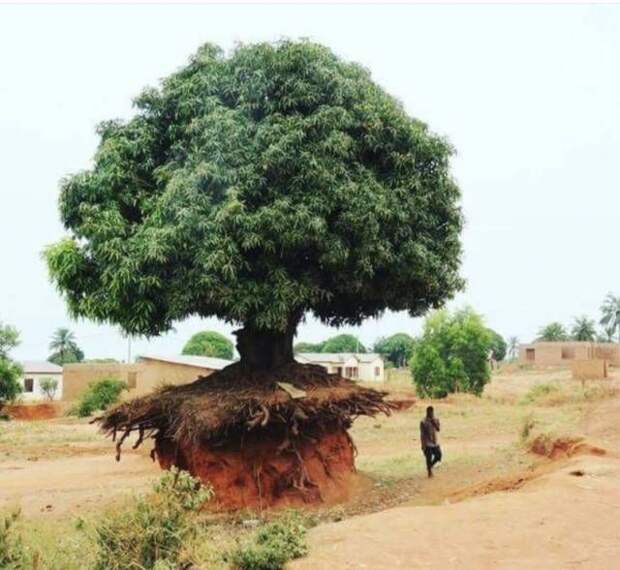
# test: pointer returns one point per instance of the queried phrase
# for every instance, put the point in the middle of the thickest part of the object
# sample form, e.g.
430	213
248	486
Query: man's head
430	412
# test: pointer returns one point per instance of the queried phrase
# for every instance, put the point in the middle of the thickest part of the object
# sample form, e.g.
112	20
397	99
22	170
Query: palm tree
583	329
64	347
611	314
513	347
553	332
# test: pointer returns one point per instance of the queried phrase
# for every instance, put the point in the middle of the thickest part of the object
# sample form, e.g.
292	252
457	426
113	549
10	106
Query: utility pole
128	349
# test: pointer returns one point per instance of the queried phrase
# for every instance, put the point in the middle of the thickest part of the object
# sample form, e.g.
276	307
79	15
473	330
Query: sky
528	95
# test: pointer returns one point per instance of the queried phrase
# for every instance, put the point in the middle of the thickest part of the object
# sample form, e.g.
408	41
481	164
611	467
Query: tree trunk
266	350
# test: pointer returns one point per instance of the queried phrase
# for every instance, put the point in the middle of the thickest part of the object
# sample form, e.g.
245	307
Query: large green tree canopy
256	187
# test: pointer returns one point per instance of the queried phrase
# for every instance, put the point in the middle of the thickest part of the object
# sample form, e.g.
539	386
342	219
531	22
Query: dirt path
568	517
73	484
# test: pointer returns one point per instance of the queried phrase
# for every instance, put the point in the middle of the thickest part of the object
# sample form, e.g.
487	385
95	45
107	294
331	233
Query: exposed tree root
293	443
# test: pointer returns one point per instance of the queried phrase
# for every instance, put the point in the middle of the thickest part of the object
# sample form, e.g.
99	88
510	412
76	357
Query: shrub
272	546
99	396
151	533
452	355
12	551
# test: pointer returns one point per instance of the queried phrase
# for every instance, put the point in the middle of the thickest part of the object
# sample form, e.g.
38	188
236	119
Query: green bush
151	533
12	552
99	396
452	355
272	546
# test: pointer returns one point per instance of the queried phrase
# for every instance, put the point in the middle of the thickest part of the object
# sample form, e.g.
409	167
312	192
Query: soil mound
32	412
262	473
261	438
561	447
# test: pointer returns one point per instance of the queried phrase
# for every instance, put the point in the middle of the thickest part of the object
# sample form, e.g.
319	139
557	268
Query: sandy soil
567	515
87	478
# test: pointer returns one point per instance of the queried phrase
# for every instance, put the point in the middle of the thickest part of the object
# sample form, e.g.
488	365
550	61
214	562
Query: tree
553	332
513	347
498	345
10	371
9	339
610	310
343	343
452	354
49	386
397	348
241	176
64	347
257	187
209	343
307	347
583	329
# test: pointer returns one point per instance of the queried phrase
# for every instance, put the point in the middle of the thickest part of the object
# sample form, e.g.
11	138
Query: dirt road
73	484
569	517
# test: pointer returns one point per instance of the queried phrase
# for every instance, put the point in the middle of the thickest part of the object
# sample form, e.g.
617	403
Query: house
357	366
563	353
34	372
143	376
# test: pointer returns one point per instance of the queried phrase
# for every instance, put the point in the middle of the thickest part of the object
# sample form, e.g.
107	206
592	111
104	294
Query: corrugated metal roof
197	361
40	367
336	356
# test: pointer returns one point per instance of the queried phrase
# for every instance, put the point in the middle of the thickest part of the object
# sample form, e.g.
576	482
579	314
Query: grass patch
539	392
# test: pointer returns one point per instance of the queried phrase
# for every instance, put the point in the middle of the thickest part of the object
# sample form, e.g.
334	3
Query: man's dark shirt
428	432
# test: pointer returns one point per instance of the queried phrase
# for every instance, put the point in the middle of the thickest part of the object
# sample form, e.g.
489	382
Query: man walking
429	427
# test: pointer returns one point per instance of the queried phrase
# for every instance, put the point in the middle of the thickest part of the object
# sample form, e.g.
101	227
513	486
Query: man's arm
436	423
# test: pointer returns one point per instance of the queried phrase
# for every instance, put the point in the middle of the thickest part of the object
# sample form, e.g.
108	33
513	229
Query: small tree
452	354
209	343
397	348
49	387
553	332
583	329
343	343
498	345
610	310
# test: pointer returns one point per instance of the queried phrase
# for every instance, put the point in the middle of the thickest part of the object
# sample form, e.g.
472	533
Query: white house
34	373
357	366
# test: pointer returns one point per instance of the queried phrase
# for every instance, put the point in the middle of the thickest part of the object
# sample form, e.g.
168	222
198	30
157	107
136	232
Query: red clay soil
264	474
563	447
32	412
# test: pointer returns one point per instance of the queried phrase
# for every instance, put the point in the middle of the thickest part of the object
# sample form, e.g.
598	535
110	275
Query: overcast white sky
529	96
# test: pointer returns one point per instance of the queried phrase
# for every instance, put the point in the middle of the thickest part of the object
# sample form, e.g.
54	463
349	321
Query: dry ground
58	470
